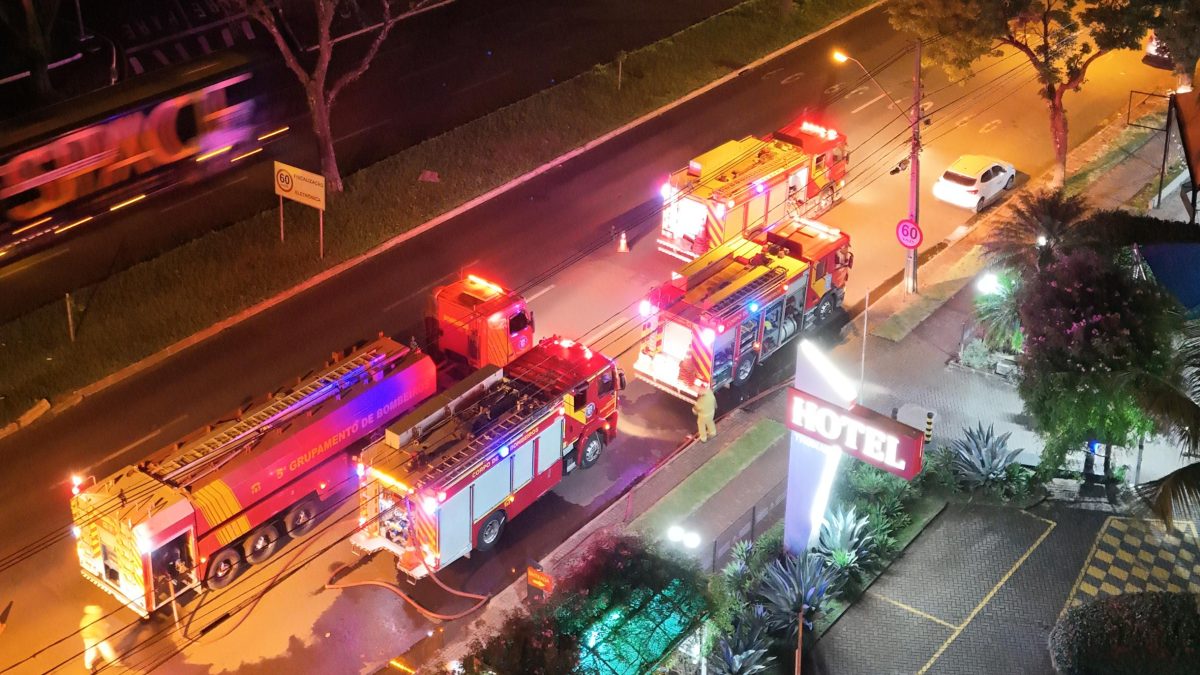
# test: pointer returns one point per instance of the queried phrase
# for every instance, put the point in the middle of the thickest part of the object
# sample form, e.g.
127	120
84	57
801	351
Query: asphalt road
436	71
519	238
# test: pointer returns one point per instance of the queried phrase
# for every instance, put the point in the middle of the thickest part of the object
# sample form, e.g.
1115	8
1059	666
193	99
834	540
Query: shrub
938	471
1136	633
845	541
526	643
975	354
743	651
981	457
795	584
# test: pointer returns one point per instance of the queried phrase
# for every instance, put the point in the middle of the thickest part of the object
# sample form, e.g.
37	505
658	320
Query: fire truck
196	513
449	475
739	303
745	186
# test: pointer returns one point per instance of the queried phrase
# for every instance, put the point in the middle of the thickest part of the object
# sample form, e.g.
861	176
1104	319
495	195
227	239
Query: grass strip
708	480
1127	142
897	326
923	511
149	306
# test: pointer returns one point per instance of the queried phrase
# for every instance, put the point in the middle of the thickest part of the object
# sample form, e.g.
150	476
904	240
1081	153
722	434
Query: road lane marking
865	105
792	78
539	294
990	127
31	262
614	325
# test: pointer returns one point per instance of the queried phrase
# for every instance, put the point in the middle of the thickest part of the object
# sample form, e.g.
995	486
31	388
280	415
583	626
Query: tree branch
325	11
261	13
1077	80
357	72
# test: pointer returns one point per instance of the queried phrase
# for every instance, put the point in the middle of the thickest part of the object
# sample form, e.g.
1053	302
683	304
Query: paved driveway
979	590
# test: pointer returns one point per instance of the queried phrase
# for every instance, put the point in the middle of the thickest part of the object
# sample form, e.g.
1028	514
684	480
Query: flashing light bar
817	130
485	283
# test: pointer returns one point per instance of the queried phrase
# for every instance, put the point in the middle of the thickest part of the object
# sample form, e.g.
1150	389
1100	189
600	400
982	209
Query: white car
974	181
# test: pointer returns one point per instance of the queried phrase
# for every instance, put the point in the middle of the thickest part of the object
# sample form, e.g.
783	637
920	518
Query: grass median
144	309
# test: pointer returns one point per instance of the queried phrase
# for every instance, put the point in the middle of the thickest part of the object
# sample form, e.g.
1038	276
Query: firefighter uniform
94	631
705	409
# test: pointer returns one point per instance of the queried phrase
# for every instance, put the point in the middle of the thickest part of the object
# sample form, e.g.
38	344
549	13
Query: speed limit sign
909	234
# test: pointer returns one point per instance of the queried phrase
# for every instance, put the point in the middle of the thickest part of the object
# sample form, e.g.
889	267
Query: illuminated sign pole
826	423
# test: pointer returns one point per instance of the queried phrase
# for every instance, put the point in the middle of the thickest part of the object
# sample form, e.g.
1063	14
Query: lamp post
914	155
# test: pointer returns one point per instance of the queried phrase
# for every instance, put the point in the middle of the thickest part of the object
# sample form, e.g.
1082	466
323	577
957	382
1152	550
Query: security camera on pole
912	223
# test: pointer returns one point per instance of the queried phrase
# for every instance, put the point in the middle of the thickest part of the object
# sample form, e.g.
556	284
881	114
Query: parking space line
991	594
914	610
866	105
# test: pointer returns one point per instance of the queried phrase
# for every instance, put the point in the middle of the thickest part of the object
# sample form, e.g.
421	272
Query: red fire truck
749	185
196	513
739	303
450	474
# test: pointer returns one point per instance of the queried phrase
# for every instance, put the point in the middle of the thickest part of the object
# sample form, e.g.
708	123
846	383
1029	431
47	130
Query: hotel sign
859	432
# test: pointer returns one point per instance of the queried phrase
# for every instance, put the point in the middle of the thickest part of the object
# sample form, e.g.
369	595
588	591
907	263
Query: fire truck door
454	527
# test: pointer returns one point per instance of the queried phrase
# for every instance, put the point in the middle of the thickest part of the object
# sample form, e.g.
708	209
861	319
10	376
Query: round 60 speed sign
909	234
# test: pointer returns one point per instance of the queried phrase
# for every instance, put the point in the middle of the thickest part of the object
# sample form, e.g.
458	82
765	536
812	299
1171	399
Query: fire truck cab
738	304
449	475
477	322
745	186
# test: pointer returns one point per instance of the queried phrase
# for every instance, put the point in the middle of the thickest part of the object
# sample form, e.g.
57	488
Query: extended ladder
237	435
775	276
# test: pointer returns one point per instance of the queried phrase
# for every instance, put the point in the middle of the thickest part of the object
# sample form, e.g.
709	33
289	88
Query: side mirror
621	383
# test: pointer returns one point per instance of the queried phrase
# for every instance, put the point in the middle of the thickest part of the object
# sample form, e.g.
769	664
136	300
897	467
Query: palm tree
1174	403
1041	226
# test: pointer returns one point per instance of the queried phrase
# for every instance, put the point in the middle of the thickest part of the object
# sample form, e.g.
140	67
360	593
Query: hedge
1139	633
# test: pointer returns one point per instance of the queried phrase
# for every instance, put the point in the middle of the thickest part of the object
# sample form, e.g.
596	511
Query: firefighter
705	409
94	631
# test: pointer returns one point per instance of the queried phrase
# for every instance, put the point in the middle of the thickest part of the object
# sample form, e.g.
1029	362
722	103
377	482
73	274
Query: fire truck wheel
489	532
825	309
262	544
222	569
745	366
301	519
824	201
591	450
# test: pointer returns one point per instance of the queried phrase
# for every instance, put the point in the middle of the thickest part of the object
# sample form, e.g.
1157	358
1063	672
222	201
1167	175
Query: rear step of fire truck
185	469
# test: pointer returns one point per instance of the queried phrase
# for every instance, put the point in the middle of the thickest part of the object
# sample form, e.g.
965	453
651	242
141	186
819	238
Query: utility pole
914	171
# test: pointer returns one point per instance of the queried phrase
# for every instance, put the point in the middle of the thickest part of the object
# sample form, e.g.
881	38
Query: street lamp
914	167
988	284
688	538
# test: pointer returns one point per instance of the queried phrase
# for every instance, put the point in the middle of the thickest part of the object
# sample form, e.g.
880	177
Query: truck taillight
76	531
707	336
647	309
360	469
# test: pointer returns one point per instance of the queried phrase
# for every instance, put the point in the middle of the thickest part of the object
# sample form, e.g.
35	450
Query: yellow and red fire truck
196	513
739	303
745	186
450	474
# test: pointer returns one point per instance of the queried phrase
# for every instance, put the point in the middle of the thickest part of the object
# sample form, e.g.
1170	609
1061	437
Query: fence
761	516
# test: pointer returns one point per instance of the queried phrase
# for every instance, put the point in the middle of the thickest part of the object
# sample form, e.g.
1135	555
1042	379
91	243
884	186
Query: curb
74	398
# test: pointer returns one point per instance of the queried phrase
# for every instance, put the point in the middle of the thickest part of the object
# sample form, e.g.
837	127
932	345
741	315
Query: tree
1087	322
1041	227
321	91
1177	27
31	28
1060	38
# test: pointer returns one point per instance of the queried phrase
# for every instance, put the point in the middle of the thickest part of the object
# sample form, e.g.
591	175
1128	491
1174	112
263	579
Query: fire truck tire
490	531
824	201
825	309
261	544
301	519
223	569
592	447
745	366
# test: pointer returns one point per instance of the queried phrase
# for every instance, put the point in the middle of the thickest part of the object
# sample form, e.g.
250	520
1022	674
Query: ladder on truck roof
460	459
774	276
186	468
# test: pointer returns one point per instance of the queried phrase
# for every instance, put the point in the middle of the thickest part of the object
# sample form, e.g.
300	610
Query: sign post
306	188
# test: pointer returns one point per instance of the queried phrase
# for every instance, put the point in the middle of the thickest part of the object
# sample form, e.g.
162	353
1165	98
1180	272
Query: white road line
861	107
617	323
361	131
539	294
